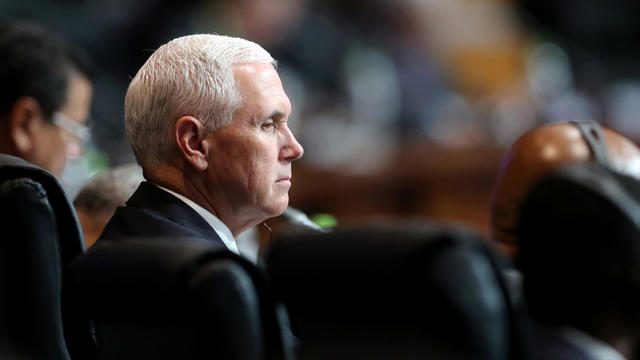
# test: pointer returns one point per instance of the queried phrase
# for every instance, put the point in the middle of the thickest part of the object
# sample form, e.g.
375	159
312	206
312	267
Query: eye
268	125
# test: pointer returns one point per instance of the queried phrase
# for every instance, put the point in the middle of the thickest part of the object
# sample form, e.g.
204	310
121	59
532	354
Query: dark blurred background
404	107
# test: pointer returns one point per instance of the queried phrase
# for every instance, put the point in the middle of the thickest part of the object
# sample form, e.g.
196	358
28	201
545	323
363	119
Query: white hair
190	75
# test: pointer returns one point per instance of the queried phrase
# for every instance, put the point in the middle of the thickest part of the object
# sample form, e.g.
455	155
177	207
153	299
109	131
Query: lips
284	180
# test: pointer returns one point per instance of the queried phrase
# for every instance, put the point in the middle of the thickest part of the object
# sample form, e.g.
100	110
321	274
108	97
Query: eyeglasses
79	131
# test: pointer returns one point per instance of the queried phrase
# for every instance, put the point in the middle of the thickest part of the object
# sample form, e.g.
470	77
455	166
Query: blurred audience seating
417	180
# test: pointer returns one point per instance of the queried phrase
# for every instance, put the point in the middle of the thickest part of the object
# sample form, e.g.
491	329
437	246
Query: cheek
58	160
52	153
259	164
260	174
248	165
240	168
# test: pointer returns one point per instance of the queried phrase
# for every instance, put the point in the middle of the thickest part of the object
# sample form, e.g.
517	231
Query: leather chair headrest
41	237
71	238
579	234
176	298
144	270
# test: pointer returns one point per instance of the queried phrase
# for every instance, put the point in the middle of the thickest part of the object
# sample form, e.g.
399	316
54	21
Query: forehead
261	88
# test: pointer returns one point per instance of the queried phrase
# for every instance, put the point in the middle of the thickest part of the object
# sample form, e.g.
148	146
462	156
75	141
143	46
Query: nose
291	149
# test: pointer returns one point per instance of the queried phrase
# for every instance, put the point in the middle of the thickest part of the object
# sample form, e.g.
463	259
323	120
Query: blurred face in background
57	140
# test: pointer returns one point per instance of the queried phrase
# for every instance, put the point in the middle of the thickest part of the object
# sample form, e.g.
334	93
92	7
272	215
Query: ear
190	133
23	119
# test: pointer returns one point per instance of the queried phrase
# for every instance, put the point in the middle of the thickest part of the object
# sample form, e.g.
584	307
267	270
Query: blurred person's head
537	153
100	197
45	96
207	117
580	252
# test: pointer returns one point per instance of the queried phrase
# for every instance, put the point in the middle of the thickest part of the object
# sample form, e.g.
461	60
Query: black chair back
402	291
580	246
177	299
40	237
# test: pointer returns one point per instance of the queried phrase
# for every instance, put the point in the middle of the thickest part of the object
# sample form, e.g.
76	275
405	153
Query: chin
278	209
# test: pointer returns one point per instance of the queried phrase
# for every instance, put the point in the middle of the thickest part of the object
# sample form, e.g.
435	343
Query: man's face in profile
251	157
53	144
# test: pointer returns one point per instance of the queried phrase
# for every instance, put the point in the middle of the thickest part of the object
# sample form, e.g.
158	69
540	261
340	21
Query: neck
182	183
195	187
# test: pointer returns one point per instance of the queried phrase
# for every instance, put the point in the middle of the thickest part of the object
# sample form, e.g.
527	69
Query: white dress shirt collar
218	226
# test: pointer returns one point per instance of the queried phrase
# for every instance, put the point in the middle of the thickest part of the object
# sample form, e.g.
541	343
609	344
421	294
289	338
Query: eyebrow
276	113
279	115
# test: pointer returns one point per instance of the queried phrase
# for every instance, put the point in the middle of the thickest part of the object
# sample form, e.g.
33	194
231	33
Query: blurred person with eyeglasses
45	96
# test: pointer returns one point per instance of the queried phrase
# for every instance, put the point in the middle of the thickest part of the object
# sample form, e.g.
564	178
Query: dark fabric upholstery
40	238
177	299
403	291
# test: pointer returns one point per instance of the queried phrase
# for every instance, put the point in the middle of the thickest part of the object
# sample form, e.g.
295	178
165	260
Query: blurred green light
324	220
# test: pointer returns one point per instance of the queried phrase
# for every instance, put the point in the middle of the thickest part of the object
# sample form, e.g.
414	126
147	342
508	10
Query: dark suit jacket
154	213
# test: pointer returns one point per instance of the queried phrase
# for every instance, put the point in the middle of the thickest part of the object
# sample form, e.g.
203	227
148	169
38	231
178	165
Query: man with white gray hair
206	116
